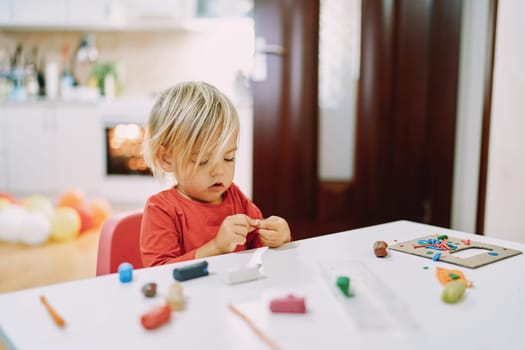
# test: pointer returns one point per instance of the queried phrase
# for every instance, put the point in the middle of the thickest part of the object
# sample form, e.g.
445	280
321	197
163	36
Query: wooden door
405	117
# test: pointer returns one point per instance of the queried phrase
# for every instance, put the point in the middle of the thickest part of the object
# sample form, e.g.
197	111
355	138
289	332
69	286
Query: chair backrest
119	242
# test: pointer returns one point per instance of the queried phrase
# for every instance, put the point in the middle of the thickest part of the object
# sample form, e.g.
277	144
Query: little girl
192	136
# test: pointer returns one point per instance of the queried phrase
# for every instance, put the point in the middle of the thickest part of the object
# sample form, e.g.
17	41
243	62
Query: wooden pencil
252	325
59	321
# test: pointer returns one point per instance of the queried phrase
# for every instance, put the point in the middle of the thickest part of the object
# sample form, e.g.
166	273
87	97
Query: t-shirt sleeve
160	241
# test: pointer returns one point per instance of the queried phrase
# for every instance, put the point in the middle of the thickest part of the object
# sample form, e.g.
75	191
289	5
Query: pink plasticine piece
289	304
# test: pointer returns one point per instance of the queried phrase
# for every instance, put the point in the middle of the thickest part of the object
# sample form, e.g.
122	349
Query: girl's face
210	180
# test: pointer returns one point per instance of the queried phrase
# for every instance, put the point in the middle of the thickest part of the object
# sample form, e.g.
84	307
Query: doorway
405	120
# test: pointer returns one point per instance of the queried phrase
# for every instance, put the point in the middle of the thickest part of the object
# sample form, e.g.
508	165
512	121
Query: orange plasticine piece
443	277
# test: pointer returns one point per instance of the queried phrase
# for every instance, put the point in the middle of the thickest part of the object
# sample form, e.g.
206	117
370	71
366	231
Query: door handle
260	61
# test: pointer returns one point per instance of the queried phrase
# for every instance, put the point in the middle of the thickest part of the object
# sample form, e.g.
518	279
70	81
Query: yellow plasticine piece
453	292
443	277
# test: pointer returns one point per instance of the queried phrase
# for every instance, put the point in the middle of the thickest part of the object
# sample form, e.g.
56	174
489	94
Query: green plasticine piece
430	252
453	291
453	276
343	283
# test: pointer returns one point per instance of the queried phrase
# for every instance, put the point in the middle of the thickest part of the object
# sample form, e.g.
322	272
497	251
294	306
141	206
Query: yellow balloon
40	204
65	224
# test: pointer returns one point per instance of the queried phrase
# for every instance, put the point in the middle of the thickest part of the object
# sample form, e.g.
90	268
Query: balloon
4	203
65	224
100	209
71	198
39	204
35	228
86	218
8	197
11	218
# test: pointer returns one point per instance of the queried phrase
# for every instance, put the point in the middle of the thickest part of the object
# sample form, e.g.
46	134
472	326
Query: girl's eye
204	162
229	159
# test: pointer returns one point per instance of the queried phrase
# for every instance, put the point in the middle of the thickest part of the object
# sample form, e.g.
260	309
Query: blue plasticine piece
492	253
125	272
191	271
436	257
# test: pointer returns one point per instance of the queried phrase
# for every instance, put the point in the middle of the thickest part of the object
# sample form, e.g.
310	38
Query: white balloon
35	228
10	220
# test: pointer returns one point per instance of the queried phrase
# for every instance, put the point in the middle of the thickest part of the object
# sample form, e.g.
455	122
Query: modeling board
450	256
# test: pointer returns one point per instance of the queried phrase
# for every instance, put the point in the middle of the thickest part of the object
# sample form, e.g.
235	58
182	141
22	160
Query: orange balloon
71	198
8	197
100	211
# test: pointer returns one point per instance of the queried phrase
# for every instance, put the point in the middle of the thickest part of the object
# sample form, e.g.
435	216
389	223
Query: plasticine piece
191	271
343	283
156	317
149	289
125	272
380	249
444	276
289	304
175	297
436	257
243	274
453	291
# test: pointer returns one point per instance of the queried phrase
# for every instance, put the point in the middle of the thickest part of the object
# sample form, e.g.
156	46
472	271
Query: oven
127	181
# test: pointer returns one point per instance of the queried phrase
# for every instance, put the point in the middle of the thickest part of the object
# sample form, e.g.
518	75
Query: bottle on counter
5	82
51	75
41	78
30	76
67	81
17	75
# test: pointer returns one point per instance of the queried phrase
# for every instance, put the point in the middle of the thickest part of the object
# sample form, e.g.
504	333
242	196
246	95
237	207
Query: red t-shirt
173	226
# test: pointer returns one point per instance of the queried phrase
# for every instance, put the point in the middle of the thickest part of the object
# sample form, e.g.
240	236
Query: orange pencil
56	317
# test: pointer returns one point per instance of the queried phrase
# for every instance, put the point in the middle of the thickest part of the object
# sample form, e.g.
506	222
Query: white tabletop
397	303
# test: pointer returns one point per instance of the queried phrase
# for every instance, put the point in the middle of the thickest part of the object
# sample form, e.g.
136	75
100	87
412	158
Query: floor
23	266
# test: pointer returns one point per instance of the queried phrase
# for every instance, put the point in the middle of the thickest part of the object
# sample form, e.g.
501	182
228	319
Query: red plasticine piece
156	317
289	304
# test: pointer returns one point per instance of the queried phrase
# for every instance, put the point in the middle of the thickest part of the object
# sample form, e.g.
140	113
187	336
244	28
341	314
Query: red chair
119	242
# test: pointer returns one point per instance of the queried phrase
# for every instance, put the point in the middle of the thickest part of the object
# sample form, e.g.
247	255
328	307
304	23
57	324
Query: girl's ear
165	160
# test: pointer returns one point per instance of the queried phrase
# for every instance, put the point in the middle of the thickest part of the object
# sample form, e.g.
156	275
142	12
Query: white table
102	313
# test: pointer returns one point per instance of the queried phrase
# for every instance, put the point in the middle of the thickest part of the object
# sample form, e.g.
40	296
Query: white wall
505	205
469	114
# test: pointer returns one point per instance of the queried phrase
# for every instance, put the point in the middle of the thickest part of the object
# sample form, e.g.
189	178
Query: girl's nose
217	169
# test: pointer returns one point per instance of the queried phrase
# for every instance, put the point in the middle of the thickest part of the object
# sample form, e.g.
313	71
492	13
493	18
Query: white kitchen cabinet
79	141
30	156
5	11
52	148
118	14
33	12
93	13
55	14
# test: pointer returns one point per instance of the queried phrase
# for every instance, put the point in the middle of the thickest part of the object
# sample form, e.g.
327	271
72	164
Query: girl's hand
233	232
273	231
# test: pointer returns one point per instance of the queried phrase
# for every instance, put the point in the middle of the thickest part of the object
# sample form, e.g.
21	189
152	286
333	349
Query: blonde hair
188	122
